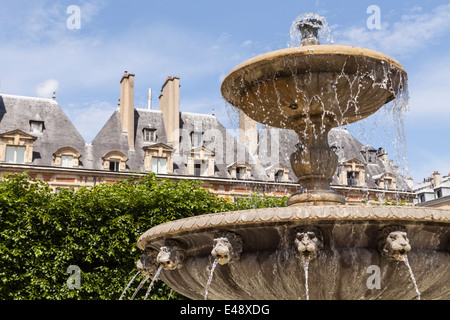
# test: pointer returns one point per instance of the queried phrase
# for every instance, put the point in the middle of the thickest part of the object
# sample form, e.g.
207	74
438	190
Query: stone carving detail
171	255
227	247
147	264
393	242
308	241
292	215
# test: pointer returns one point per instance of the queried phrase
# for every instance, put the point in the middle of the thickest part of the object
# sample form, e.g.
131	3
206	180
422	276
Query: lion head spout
308	241
171	255
147	264
227	247
393	242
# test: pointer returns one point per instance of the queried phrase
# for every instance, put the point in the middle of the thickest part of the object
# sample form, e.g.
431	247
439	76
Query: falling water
405	260
305	267
216	261
128	285
153	281
140	286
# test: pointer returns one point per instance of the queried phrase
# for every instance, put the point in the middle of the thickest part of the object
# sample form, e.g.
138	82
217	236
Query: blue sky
201	41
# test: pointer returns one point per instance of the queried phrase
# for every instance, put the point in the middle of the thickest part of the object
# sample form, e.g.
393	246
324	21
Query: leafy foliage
95	228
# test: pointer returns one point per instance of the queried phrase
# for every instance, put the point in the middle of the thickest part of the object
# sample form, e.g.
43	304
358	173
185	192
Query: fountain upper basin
269	269
283	87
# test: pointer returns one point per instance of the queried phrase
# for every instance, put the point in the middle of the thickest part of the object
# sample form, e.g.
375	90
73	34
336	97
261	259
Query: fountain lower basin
268	267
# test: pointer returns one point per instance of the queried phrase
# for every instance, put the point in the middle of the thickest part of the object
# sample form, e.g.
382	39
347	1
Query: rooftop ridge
197	114
27	97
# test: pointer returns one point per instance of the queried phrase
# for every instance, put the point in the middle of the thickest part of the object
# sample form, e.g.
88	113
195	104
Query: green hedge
95	228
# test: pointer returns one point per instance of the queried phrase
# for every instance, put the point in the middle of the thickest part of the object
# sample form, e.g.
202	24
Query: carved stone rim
292	214
314	50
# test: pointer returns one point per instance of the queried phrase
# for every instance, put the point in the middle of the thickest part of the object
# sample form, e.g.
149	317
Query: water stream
306	267
216	261
128	285
153	281
140	286
412	277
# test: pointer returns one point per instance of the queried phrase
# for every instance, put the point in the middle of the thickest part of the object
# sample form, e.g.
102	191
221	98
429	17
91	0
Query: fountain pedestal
314	163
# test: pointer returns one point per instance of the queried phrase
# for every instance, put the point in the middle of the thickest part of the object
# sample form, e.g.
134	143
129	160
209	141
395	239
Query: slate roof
16	113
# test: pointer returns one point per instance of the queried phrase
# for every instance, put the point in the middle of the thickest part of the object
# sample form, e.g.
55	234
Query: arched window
114	161
67	157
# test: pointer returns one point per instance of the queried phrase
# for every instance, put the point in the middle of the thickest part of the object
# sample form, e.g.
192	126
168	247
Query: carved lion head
147	264
227	247
393	242
171	255
308	241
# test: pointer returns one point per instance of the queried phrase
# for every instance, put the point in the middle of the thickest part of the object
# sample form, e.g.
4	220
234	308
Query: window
387	184
240	172
15	154
159	165
67	161
352	178
36	126
422	198
115	161
197	169
114	165
67	157
372	157
149	134
279	176
196	139
438	193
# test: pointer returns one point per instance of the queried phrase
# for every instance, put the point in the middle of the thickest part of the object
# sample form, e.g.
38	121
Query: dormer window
279	175
16	147
36	126
149	134
240	171
278	172
158	158
196	139
115	161
67	157
201	162
372	157
369	154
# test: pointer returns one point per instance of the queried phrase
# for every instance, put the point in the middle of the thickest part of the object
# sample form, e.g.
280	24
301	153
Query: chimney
248	132
149	105
126	104
436	179
169	104
410	182
382	155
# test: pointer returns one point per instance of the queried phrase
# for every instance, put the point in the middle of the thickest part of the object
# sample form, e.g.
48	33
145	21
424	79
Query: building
433	192
36	135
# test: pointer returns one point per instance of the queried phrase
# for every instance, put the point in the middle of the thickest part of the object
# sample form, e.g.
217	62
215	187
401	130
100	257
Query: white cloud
414	30
46	88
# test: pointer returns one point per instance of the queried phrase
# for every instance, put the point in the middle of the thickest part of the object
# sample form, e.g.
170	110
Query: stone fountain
310	89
